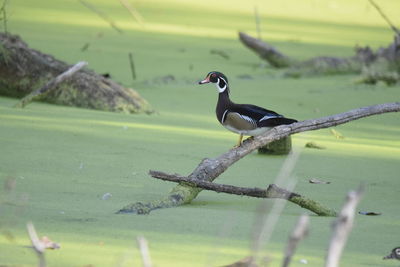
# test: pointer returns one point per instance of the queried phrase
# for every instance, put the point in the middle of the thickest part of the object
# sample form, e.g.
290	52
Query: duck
394	255
243	119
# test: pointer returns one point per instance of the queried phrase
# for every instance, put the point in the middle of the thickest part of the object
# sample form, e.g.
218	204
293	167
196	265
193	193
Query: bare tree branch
342	228
133	11
273	191
210	169
102	15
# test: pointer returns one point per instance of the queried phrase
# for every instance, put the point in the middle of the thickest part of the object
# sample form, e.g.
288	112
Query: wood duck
243	119
394	255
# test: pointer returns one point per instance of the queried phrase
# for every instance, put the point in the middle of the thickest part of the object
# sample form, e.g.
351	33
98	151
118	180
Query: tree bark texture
24	70
209	169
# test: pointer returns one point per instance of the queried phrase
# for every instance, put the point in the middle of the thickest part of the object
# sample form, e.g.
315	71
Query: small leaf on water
369	213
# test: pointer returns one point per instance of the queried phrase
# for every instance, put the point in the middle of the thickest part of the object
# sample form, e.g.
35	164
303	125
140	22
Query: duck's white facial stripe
221	89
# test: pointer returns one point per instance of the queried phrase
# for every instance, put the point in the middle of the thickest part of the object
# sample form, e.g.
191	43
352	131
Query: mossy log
373	66
24	70
210	169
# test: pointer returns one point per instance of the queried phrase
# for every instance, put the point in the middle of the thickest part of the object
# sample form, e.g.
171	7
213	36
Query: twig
144	251
101	14
3	10
134	13
300	231
51	84
36	244
132	65
342	228
258	22
383	15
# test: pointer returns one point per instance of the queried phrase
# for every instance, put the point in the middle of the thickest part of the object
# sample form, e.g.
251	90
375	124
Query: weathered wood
23	70
51	84
342	228
210	169
266	51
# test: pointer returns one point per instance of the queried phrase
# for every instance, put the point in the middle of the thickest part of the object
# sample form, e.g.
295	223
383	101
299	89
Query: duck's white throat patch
218	85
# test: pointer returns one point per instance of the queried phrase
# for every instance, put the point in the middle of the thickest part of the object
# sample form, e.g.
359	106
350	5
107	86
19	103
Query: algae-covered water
69	170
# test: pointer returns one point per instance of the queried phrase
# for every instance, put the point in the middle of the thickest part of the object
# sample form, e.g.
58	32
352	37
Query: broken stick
51	84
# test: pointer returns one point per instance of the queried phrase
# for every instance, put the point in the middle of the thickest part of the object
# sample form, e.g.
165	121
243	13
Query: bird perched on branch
394	255
244	119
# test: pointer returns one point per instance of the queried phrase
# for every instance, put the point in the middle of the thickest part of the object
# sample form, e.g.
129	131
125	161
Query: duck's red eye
214	75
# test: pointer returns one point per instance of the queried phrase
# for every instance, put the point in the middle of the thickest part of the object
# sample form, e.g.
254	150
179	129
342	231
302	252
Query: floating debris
314	145
49	244
369	213
317	181
337	134
106	196
221	53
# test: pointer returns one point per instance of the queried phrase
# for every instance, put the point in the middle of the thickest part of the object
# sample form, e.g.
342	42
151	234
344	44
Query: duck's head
219	79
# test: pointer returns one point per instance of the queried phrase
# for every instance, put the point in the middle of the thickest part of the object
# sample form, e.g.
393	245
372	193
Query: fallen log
24	70
209	169
372	66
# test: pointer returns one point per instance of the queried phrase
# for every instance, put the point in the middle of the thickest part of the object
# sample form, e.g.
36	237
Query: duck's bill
206	80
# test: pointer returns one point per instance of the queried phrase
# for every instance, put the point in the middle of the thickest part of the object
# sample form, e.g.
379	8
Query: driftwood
373	66
342	228
24	70
209	169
